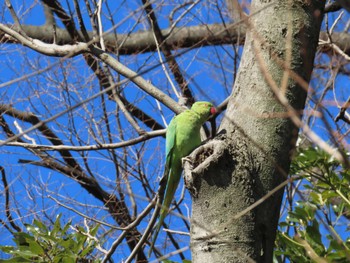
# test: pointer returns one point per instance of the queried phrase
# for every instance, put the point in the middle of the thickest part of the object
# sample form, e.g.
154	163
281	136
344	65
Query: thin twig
84	215
15	17
127	114
81	21
88	235
176	252
100	25
145	235
173	65
145	85
7	201
342	112
163	66
115	244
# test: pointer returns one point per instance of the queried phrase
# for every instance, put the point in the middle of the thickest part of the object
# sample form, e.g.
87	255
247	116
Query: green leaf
66	227
93	231
57	226
16	260
313	237
329	194
42	228
316	198
35	248
40	244
326	181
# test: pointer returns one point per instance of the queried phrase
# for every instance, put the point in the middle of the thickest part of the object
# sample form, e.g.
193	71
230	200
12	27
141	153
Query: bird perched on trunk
182	137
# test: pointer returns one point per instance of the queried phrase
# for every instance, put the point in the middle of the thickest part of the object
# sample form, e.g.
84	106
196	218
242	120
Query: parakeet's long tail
170	192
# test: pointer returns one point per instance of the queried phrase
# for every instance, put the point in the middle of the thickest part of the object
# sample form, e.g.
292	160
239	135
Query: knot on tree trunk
200	161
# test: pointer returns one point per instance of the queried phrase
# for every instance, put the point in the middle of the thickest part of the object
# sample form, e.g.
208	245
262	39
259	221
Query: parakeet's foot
186	159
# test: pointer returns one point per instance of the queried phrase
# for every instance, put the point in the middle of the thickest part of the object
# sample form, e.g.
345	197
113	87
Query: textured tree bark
251	154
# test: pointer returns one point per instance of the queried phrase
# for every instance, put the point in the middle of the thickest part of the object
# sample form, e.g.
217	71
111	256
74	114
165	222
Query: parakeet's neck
199	117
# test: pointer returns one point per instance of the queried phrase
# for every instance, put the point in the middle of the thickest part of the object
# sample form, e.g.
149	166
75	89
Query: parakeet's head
204	108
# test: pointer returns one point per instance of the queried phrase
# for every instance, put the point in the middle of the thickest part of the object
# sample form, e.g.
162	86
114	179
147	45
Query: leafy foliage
59	244
315	229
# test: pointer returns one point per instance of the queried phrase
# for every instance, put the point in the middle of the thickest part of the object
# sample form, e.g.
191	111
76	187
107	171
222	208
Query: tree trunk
251	154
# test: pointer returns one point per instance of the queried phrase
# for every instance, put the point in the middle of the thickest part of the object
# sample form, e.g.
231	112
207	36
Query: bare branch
7	201
95	147
81	22
44	48
165	48
43	128
83	215
137	79
332	7
14	16
65	18
127	114
104	77
342	112
118	209
137	221
179	37
143	41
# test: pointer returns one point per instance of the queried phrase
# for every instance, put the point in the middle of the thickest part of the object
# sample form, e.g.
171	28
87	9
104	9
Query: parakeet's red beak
212	110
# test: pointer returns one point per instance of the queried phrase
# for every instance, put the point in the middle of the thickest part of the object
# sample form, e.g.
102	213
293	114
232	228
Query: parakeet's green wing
169	146
170	139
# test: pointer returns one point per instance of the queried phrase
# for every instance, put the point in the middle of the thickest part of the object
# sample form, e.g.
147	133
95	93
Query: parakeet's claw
186	159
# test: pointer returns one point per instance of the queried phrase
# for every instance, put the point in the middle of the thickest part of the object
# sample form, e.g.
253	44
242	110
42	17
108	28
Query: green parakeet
182	137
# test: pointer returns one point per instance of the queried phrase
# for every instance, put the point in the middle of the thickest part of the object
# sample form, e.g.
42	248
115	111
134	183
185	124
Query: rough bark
251	154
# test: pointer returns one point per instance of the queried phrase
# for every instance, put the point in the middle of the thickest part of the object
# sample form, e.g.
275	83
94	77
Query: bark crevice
215	169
